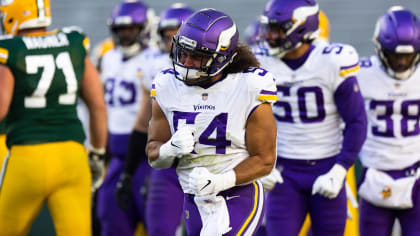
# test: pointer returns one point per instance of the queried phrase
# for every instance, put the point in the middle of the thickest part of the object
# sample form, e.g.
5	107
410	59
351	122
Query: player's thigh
70	201
245	206
139	188
328	215
164	203
410	218
374	220
23	188
287	205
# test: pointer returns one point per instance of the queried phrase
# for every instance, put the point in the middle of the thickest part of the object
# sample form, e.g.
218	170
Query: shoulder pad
345	58
73	28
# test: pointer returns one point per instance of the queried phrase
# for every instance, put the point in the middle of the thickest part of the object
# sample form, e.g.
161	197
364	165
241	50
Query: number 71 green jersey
47	71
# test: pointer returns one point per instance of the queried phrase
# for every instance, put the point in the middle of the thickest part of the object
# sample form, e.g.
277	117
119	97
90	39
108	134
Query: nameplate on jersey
50	41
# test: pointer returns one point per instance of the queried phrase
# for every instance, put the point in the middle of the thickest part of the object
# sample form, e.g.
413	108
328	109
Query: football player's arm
350	106
93	96
7	84
159	132
260	139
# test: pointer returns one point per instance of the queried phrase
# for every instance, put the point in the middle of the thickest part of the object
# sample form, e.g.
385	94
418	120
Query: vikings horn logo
386	192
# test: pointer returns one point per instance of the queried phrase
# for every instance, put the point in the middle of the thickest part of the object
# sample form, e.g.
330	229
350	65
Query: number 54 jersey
47	70
218	115
393	110
306	113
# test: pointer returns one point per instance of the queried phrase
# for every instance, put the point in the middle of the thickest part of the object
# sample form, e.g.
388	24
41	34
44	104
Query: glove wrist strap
228	179
166	157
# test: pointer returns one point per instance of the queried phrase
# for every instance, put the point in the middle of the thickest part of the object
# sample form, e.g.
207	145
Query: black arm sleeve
136	151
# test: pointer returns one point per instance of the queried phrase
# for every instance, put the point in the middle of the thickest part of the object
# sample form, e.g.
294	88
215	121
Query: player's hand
123	193
180	144
97	165
330	184
270	180
202	182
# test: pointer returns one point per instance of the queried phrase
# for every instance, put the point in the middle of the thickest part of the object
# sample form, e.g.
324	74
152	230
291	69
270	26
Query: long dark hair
243	60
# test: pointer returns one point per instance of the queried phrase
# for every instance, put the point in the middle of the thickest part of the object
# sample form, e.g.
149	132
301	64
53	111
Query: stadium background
351	22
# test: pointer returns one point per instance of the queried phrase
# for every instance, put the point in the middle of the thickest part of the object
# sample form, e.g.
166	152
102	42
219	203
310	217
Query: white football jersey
123	93
152	64
218	115
308	123
393	110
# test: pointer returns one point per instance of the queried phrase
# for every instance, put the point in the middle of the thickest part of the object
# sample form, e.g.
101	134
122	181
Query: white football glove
97	166
330	184
270	180
202	182
180	144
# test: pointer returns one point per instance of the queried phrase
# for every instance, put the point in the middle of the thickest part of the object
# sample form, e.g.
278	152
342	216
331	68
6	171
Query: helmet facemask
128	38
192	65
204	45
397	42
294	23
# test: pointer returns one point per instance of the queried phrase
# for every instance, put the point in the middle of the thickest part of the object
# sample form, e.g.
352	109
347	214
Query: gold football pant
56	173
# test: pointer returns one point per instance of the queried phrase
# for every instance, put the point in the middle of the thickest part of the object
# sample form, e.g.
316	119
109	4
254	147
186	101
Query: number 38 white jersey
393	110
218	115
306	115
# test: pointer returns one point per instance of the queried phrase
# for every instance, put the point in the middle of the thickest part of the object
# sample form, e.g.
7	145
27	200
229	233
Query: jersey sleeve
5	45
346	61
77	33
4	55
262	87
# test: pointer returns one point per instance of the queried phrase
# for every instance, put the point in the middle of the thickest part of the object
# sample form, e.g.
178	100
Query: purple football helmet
209	38
125	15
171	19
397	34
296	19
252	32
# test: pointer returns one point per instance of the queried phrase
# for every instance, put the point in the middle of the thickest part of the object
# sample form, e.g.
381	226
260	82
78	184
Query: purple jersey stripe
153	86
268	92
348	67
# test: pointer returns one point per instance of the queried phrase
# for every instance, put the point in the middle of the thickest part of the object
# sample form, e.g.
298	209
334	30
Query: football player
352	228
41	75
165	197
317	88
211	116
390	84
129	24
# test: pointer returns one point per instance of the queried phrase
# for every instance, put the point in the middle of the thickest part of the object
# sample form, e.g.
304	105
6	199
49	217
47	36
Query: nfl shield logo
204	96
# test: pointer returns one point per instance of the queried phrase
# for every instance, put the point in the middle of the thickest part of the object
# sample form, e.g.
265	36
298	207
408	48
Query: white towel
214	215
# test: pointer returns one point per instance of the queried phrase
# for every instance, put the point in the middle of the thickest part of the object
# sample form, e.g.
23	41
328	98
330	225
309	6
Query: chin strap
129	51
398	75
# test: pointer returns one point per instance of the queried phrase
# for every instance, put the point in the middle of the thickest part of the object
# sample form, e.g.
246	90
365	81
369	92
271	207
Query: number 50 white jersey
218	115
306	113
